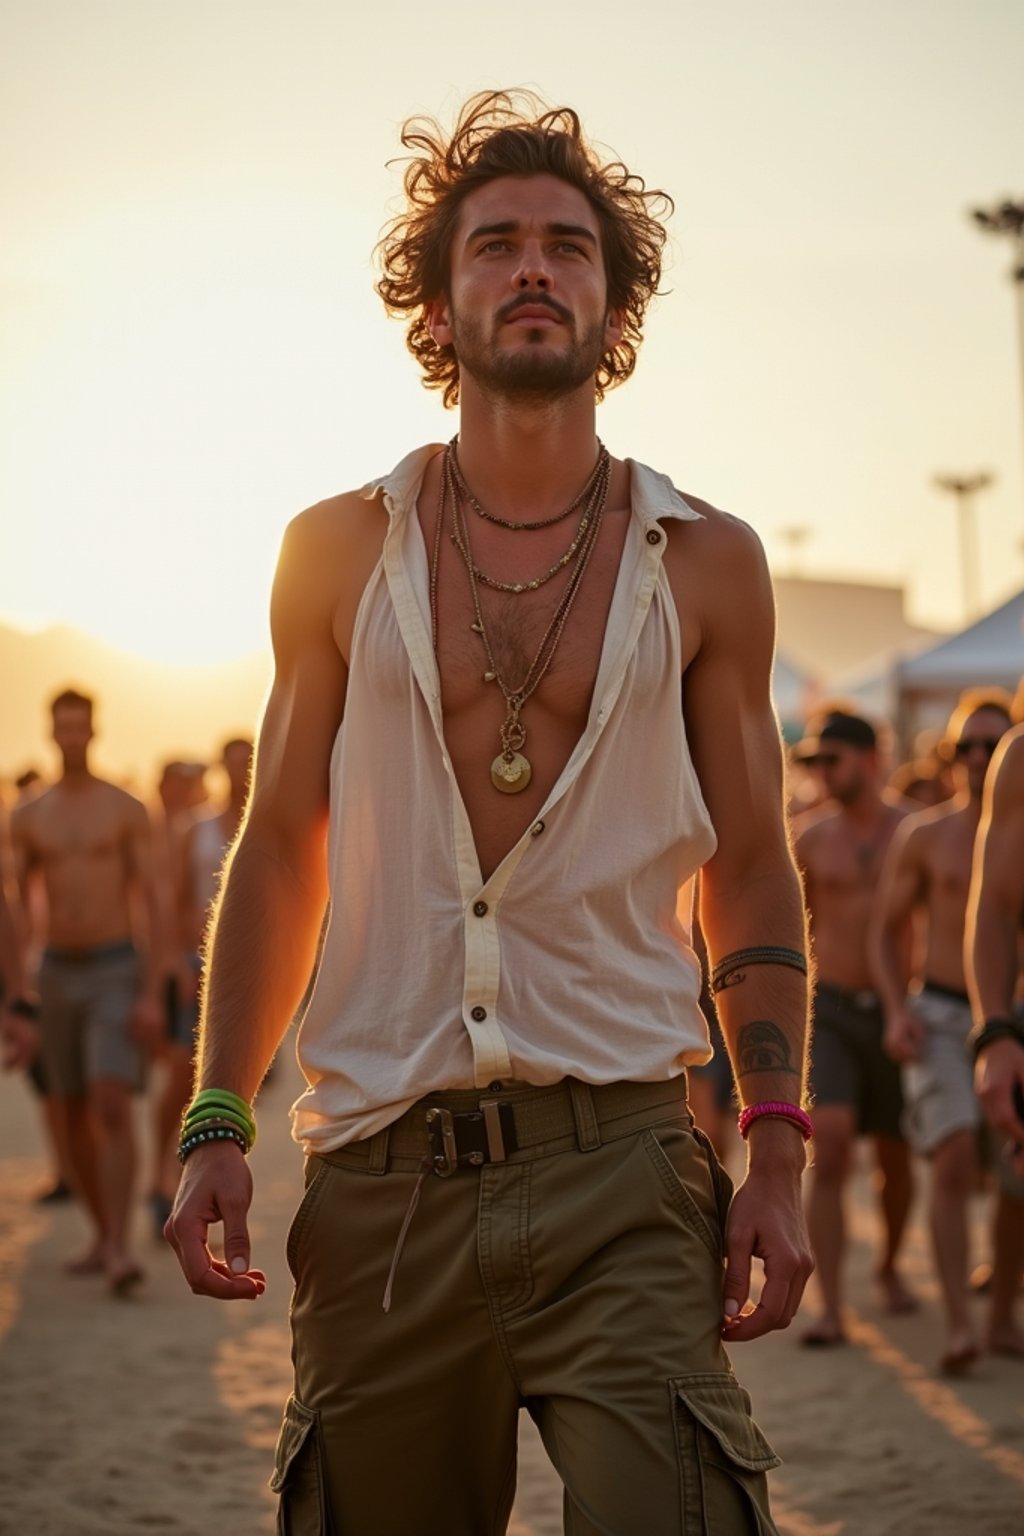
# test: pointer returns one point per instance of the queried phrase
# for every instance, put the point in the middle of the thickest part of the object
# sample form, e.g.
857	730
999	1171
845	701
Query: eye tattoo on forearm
763	1047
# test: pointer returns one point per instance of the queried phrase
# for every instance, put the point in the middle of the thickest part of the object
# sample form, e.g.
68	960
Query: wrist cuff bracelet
190	1144
775	1109
993	1030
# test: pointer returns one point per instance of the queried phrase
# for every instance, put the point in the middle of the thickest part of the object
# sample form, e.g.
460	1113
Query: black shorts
849	1064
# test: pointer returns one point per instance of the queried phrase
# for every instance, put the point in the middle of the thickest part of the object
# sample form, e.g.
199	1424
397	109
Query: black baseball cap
838	727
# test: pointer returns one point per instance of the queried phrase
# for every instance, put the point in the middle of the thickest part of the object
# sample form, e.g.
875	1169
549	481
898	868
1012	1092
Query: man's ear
613	328
439	322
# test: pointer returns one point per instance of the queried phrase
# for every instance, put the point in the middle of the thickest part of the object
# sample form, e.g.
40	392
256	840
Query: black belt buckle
487	1135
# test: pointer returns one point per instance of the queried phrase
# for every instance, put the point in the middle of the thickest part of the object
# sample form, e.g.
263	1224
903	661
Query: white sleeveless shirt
574	958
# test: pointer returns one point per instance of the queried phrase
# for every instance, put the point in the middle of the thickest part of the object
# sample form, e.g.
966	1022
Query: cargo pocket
316	1176
723	1458
683	1198
721	1183
299	1475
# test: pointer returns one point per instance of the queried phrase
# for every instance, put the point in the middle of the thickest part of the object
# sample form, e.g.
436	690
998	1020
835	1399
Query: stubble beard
527	374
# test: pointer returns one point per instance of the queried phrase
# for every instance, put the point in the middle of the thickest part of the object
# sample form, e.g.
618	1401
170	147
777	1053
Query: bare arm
902	890
995	909
262	939
19	1038
750	896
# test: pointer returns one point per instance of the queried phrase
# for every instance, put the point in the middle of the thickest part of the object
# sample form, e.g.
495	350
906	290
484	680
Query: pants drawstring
410	1211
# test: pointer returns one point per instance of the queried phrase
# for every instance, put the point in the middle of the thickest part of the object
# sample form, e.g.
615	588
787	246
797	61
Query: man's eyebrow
509	227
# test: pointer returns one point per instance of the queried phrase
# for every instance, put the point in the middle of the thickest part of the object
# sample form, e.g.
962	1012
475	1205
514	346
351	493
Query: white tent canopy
989	652
791	690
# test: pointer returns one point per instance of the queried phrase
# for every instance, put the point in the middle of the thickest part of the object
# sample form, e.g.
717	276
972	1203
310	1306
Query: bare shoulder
121	803
336	528
328	554
715	539
719	577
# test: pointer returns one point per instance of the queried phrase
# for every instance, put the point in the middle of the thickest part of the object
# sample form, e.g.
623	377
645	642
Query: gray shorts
85	1006
938	1090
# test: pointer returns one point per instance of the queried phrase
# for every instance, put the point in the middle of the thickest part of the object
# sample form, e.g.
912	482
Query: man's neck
526	459
866	810
76	779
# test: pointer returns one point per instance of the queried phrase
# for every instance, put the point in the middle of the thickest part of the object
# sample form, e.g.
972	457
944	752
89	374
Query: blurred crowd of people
105	903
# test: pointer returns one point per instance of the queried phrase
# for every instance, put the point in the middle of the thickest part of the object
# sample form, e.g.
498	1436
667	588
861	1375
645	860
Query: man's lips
533	314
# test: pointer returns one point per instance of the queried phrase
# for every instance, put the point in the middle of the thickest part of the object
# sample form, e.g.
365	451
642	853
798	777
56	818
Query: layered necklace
511	770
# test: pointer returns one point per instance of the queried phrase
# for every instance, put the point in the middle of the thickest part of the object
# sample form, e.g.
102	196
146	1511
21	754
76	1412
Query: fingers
778	1303
736	1290
206	1275
216	1187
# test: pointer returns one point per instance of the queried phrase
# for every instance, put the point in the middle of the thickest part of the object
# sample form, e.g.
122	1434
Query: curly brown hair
513	133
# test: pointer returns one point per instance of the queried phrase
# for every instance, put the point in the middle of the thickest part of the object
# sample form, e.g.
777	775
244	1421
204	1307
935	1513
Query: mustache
536	301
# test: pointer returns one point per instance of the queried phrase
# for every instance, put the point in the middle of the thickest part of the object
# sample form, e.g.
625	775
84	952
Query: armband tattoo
732	970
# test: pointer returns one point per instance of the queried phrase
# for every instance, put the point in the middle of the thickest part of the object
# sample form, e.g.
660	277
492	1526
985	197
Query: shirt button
478	1013
537	829
480	908
654	536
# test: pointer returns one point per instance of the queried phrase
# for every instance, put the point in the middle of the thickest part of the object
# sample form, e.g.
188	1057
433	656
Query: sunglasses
986	744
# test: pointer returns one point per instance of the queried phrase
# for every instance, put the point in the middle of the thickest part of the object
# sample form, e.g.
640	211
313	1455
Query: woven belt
472	1128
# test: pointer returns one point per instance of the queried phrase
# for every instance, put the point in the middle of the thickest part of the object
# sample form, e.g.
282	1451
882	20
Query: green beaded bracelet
221	1100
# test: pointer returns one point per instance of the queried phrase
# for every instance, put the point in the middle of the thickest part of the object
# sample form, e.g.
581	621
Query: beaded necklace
511	770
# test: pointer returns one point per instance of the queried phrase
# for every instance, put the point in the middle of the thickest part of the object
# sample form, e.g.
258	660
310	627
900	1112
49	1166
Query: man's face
72	731
845	771
527	307
973	749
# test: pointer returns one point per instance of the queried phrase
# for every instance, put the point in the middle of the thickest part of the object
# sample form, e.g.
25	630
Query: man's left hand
766	1221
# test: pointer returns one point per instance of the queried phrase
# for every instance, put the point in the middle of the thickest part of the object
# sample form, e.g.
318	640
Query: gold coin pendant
511	774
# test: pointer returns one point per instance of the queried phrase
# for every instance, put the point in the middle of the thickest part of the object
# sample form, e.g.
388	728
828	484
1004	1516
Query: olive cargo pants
579	1276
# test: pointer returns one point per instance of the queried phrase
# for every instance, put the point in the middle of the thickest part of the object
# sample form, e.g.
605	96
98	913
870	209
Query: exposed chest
70	836
543	642
950	859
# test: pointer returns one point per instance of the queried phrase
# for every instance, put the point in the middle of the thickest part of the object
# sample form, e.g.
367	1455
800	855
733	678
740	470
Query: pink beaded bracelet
777	1110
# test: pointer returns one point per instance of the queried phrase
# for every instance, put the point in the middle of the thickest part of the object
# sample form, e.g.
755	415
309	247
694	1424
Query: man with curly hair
521	697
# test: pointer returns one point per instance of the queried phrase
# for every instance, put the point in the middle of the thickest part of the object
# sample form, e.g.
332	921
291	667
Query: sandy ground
160	1413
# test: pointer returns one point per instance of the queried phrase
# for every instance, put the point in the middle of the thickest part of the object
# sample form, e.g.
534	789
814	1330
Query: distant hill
146	712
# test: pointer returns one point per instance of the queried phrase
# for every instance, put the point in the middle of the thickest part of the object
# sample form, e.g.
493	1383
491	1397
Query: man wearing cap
854	1084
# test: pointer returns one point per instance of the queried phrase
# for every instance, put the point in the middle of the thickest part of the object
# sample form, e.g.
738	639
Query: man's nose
533	270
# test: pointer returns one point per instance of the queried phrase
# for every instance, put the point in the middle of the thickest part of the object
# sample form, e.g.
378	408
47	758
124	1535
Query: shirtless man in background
927	874
854	1084
89	842
995	928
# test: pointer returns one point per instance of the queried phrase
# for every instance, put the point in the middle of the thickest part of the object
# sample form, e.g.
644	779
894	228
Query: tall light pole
1007	218
965	488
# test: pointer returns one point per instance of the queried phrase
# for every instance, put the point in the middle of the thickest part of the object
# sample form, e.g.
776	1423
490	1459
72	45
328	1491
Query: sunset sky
192	349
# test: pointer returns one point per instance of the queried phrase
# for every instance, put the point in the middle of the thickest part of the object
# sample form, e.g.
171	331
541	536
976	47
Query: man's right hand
904	1035
998	1072
216	1186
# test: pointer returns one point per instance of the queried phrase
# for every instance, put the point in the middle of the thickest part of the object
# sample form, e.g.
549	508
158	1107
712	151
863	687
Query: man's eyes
562	246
